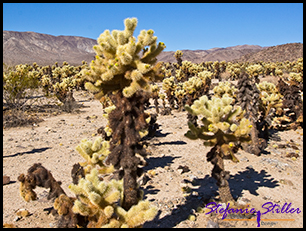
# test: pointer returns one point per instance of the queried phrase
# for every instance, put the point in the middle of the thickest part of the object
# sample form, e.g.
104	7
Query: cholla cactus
61	81
270	101
270	96
180	75
170	86
298	66
267	87
205	76
278	72
98	200
222	125
192	85
124	73
193	88
166	110
38	176
291	100
178	56
180	95
255	70
119	66
216	66
190	69
94	153
225	88
234	69
297	77
248	98
155	91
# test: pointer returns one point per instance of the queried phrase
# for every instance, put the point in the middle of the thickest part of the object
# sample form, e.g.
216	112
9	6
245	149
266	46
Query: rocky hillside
29	47
44	49
280	53
214	54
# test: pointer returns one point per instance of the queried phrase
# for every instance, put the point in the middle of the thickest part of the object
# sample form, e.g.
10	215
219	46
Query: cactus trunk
215	156
130	189
126	121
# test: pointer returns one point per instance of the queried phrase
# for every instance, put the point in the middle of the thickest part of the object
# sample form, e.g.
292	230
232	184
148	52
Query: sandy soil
271	177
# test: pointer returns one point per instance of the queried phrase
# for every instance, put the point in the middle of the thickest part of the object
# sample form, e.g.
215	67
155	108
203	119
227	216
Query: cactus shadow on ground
154	162
207	190
250	180
33	151
158	133
179	142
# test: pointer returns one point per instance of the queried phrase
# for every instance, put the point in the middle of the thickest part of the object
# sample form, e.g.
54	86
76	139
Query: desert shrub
19	85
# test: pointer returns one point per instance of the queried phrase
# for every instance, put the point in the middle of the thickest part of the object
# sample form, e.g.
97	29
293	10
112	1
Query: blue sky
179	25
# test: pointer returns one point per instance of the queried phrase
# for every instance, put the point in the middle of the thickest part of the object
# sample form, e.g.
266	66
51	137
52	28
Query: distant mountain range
214	54
44	49
280	53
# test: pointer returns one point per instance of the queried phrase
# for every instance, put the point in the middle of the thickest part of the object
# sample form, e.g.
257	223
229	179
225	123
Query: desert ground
269	178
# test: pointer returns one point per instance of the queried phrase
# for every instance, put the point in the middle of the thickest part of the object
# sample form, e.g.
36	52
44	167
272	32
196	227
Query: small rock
6	180
17	218
286	182
211	224
143	179
192	177
195	193
243	201
282	145
185	168
292	154
267	197
23	213
192	217
244	159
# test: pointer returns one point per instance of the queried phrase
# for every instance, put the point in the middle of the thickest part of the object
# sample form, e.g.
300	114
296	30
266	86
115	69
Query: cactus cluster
60	81
16	85
225	88
98	201
95	154
222	126
122	63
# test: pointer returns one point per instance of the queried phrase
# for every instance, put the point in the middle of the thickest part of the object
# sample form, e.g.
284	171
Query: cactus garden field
127	141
